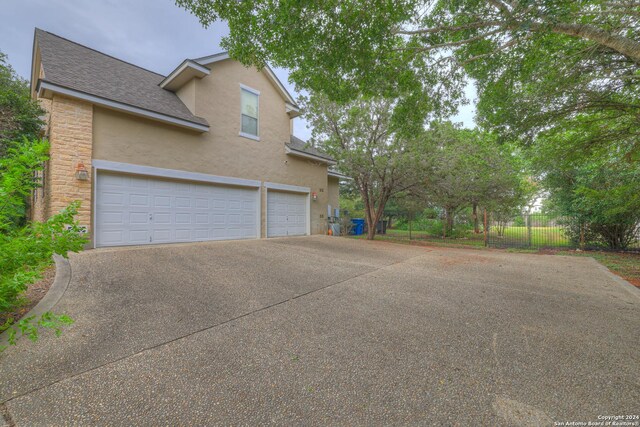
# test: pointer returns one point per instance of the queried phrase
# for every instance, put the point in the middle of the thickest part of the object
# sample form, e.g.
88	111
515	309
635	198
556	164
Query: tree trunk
370	217
626	46
449	220
476	226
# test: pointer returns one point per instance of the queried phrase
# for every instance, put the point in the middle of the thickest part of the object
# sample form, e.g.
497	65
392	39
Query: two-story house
204	153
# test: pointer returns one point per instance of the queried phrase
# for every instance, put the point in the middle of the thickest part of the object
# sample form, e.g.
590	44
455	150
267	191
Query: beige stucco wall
221	151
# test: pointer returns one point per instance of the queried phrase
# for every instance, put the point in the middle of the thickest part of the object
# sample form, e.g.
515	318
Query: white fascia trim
206	60
172	173
292	110
293	152
279	84
292	107
186	64
338	175
123	107
286	187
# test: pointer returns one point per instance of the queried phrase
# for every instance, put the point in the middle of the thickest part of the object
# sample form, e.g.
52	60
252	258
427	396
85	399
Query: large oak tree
538	65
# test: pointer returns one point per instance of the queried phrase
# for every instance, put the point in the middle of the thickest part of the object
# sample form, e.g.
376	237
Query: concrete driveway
321	330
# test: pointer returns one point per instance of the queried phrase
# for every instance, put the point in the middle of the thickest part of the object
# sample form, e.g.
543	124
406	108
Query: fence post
486	235
529	229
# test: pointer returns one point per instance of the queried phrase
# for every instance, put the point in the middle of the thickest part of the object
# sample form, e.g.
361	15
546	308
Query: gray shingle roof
297	144
83	69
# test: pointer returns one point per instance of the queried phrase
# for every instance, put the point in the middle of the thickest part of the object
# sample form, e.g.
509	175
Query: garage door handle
150	217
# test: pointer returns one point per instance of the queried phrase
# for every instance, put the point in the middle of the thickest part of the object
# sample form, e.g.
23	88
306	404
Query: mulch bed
32	296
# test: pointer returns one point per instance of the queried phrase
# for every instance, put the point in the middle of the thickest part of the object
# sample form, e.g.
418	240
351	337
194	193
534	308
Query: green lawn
541	237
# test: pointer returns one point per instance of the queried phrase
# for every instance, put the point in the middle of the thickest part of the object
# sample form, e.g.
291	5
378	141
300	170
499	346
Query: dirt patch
32	296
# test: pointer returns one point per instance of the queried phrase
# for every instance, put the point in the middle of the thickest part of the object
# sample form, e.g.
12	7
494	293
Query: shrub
26	250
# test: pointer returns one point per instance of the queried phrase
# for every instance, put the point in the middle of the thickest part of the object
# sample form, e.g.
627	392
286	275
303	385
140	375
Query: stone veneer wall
71	137
40	197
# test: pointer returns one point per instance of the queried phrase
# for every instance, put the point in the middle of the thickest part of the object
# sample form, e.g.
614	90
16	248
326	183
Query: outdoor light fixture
314	195
82	173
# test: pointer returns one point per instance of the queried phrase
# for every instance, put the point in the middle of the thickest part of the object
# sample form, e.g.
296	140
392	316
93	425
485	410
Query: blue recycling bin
358	226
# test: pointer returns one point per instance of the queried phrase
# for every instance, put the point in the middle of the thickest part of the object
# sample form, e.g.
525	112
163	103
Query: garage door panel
138	218
162	218
139	236
286	214
162	201
202	203
144	210
113	199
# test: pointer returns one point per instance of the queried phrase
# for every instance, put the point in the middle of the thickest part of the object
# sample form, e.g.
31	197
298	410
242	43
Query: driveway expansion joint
153	347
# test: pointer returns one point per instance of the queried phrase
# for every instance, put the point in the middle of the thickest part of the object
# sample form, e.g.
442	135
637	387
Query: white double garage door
137	209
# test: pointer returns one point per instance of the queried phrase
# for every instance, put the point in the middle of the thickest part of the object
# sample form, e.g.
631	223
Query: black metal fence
525	231
542	231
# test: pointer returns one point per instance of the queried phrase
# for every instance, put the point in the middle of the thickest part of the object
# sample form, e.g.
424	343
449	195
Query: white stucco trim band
108	165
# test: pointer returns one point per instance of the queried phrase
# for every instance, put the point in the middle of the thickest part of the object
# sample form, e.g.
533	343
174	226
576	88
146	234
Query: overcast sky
154	34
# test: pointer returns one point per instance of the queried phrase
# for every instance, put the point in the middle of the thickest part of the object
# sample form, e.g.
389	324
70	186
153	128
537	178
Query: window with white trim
249	112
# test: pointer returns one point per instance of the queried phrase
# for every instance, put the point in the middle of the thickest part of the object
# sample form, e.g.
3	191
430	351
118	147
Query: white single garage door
137	210
287	214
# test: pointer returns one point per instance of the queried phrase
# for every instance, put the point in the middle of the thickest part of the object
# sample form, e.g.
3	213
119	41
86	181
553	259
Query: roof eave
292	110
186	71
45	89
294	152
338	175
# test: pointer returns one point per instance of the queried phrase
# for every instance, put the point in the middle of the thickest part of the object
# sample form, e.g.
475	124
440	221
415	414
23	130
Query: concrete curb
626	285
57	289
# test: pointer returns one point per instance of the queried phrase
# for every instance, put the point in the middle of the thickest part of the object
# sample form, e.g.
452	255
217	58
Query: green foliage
466	169
19	114
598	197
537	64
368	146
352	204
17	170
30	326
26	250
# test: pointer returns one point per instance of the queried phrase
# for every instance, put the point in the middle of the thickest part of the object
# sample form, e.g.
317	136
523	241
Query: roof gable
268	72
74	67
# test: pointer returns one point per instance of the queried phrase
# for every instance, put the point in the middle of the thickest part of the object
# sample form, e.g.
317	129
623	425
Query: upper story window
249	102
